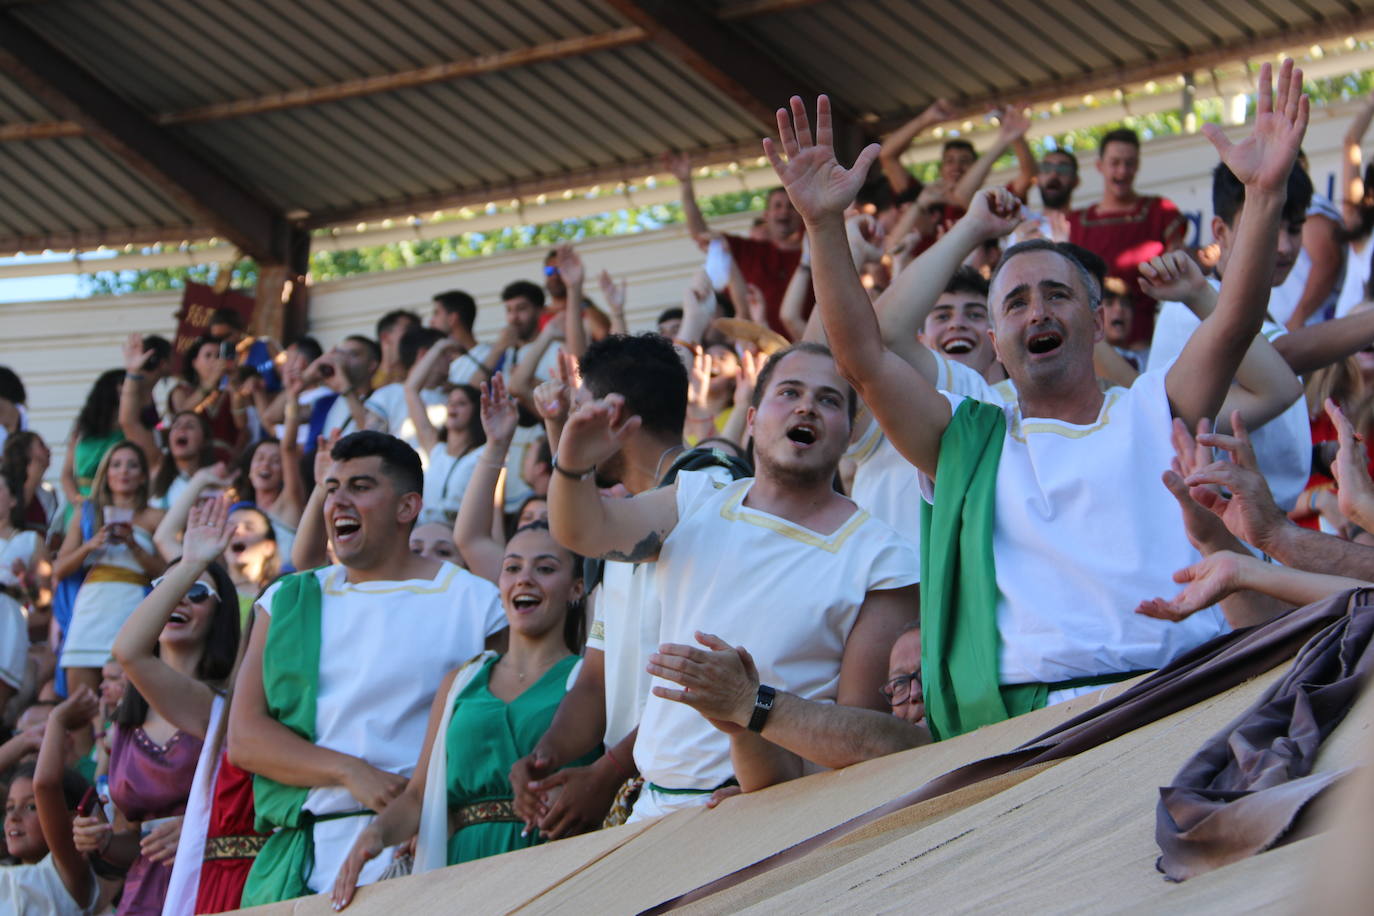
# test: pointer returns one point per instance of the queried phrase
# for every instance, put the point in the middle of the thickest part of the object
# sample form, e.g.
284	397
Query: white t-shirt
786	593
1285	297
446	479
384	648
1356	276
626	628
37	890
1083	532
1283	446
469	368
340	417
389	403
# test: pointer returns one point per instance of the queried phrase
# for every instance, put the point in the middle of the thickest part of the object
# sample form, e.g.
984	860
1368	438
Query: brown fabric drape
1243	790
1211	669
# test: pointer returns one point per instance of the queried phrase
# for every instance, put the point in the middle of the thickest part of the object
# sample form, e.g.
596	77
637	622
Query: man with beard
1057	178
606	702
1020	605
1126	229
811	588
333	695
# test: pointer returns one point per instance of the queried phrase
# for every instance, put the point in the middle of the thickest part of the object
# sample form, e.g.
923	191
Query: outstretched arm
680	165
581	519
897	143
904	306
1012	131
54	817
1197	383
909	408
1317	346
473	528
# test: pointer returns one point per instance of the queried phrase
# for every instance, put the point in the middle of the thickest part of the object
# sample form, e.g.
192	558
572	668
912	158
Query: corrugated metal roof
603	109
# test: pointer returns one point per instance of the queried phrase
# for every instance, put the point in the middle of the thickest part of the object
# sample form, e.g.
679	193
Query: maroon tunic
148	781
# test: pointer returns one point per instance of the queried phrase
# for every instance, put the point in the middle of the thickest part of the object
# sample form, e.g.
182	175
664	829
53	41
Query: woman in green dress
488	714
95	433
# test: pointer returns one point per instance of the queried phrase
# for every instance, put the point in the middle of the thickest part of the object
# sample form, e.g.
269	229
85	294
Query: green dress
86	461
486	735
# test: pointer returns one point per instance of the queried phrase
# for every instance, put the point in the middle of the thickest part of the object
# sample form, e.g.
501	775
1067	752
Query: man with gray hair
1020	603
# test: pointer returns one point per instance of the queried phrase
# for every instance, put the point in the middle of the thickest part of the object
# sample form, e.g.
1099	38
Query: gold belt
483	813
233	847
109	573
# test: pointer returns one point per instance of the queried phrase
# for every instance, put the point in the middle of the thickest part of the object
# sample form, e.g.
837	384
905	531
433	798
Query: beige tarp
1074	836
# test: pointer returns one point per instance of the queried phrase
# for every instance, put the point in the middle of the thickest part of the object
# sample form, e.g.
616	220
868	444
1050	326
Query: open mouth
345	528
180	441
178	617
525	602
240	547
957	346
1044	342
802	434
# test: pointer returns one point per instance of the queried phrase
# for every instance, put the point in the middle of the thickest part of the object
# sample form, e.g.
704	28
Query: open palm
207	531
818	185
1265	158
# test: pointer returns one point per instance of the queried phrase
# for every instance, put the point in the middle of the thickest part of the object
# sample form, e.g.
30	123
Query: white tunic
1084	530
37	890
384	648
626	628
14	626
786	593
469	368
888	485
446	479
1356	276
1283	446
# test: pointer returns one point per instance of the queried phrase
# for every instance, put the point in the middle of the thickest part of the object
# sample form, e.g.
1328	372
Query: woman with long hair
95	432
253	555
177	650
454	448
23	565
26	457
487	715
119	558
270	478
206	390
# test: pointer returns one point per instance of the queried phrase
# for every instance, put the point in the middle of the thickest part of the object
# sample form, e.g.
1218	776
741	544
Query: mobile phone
87	803
226	350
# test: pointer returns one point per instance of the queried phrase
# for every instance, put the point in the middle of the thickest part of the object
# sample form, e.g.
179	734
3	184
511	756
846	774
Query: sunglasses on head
199	593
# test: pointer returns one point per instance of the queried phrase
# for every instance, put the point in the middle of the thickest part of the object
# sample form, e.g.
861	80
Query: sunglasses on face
1063	168
550	270
198	593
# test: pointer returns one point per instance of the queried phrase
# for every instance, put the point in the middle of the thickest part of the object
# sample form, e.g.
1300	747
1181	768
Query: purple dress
148	781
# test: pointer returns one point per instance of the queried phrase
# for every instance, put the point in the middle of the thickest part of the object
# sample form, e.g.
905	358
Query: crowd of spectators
907	460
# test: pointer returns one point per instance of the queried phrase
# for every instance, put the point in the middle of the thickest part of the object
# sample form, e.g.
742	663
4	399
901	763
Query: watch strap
763	705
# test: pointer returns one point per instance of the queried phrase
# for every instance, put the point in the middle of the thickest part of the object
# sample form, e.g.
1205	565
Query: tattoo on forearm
644	550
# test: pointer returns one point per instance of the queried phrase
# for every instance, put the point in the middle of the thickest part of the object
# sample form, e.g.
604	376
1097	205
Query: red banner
198	303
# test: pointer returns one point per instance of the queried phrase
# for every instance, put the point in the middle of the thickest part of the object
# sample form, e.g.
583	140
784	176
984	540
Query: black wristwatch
763	705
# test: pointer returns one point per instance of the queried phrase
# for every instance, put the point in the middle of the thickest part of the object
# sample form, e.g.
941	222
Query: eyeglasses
898	690
550	270
198	594
1066	169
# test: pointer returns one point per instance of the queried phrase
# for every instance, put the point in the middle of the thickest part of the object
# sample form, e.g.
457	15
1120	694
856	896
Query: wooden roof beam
77	96
724	57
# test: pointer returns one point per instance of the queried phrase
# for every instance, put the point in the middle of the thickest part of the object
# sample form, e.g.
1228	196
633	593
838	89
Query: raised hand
569	265
1355	490
135	357
498	412
208	532
750	364
1013	124
323	448
1250	513
699	380
595	432
939	111
613	293
1204	584
77	710
1172	276
1264	159
679	165
994	212
819	186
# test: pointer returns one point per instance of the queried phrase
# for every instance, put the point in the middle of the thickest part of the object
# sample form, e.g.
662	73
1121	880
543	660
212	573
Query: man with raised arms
1021	605
332	699
812	588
